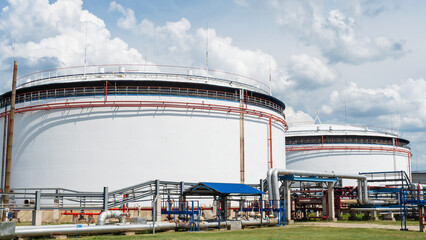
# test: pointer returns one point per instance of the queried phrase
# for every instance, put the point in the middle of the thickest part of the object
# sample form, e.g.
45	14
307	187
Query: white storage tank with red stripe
346	149
117	125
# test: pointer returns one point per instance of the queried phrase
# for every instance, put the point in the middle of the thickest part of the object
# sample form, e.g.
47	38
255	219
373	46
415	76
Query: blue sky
367	55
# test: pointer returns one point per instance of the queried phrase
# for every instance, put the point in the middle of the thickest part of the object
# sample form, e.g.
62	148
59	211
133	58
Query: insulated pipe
375	209
34	231
269	222
270	188
72	230
360	190
109	214
273	186
367	201
204	225
273	173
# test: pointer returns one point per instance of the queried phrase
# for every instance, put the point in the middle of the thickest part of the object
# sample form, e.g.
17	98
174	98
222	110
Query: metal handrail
138	90
71	199
191	74
362	129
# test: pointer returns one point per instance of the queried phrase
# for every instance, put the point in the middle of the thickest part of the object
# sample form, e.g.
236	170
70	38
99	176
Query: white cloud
58	31
294	117
309	72
188	47
334	34
404	101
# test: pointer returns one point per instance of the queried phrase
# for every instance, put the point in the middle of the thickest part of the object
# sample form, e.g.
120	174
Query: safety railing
142	72
414	197
139	90
399	178
59	198
352	129
52	199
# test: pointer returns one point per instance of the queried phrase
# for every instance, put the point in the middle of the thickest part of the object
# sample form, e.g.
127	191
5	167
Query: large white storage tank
346	149
89	127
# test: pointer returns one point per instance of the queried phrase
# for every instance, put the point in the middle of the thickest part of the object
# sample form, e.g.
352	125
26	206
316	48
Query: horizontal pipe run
363	199
375	209
72	229
273	174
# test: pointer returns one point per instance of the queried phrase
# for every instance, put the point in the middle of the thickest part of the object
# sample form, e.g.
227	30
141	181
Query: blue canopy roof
209	188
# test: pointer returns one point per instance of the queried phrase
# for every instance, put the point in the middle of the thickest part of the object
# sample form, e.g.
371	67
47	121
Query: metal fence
66	199
143	72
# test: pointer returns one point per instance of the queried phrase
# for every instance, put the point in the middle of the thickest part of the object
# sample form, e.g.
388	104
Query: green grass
382	222
297	232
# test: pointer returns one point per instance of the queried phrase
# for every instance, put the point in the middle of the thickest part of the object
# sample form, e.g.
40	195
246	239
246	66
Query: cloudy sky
354	61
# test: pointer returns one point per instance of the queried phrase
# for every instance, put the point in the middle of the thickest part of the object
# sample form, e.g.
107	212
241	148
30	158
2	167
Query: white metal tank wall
88	148
348	161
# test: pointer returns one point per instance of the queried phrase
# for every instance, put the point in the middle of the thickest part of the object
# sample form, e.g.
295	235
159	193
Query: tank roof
340	130
143	72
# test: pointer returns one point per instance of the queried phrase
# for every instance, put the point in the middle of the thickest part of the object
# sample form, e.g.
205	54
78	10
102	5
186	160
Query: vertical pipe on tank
10	134
3	159
393	154
409	165
242	163
270	144
106	91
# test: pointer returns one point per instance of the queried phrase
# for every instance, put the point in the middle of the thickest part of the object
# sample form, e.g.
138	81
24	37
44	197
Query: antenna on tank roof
13	49
397	123
85	52
317	117
344	100
145	60
270	77
207	51
346	116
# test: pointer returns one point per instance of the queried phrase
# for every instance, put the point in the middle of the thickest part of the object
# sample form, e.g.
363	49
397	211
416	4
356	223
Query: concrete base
128	233
157	206
60	236
55	215
235	225
388	216
36	219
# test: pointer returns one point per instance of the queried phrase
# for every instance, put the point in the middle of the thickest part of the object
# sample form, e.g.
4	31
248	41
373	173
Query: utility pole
10	135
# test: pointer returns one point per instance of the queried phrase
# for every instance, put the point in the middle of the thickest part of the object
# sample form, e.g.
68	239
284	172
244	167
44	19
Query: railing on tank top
143	71
139	90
